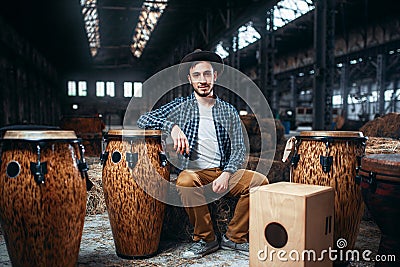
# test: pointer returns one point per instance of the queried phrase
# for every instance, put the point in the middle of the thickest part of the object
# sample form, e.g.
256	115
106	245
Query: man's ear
215	75
190	80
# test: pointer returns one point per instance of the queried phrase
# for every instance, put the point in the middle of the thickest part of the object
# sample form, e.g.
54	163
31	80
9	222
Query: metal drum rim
121	133
39	135
333	134
329	136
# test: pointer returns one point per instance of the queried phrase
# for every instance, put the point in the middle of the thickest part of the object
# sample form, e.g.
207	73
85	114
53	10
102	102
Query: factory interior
320	70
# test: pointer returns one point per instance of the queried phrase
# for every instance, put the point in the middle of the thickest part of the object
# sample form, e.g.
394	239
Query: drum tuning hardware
358	177
295	160
326	163
38	169
371	180
104	157
163	159
132	159
104	153
83	168
82	165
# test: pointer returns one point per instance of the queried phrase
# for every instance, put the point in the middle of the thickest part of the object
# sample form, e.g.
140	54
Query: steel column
267	61
324	37
380	82
344	88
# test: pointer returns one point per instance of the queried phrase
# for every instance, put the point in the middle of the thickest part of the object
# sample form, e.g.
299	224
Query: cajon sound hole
276	235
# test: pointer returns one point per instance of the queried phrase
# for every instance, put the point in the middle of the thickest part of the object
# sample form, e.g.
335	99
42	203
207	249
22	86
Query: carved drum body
133	164
43	197
331	158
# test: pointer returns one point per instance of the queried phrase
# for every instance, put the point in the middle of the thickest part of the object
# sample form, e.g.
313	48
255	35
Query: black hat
199	55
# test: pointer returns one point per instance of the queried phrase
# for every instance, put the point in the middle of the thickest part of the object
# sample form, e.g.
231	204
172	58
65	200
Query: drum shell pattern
136	217
349	206
382	198
42	223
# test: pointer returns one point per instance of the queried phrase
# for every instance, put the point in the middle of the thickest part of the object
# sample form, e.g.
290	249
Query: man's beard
199	93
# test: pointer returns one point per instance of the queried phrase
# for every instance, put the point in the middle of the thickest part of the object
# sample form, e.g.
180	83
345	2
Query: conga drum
380	187
332	158
43	196
133	165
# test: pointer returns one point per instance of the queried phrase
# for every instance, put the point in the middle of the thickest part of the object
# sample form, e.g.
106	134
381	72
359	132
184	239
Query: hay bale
251	124
268	124
382	145
279	172
256	142
385	126
83	125
275	170
95	203
176	225
259	132
89	129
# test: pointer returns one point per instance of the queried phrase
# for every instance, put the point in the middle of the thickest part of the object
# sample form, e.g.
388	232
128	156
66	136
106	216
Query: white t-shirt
206	151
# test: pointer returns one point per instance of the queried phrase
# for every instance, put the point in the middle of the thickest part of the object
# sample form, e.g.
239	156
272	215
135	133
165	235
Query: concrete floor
97	249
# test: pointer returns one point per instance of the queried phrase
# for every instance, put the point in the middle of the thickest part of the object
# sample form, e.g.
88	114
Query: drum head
386	164
331	134
132	133
38	135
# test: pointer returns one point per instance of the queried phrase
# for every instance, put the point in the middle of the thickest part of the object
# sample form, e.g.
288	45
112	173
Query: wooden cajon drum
291	225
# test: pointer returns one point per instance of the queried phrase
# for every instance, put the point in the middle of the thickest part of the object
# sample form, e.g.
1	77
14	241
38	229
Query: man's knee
258	179
186	179
255	178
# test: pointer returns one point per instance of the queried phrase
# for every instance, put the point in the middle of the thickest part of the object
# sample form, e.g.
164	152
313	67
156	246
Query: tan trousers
199	216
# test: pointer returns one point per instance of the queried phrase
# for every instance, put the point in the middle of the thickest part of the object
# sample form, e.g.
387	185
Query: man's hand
181	143
221	184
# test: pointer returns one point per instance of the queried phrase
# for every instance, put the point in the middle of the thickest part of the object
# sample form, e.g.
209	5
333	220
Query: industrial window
374	96
337	100
110	89
100	89
127	89
137	89
82	88
391	95
71	88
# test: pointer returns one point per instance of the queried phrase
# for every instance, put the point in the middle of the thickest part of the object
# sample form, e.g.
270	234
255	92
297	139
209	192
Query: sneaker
200	249
226	243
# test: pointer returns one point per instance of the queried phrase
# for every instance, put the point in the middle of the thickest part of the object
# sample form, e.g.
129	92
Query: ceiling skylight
91	20
148	18
286	11
220	50
247	35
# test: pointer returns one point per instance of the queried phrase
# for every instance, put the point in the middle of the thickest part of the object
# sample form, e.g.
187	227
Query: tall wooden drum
332	158
43	197
133	165
380	186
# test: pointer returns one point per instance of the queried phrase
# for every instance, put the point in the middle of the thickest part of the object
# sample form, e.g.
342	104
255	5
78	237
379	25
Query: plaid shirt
184	112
